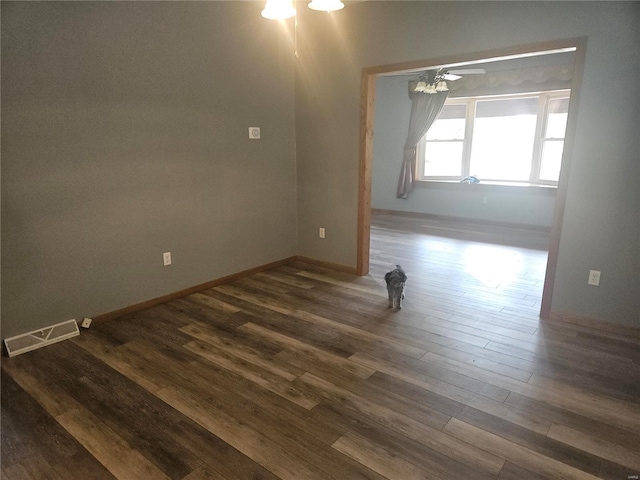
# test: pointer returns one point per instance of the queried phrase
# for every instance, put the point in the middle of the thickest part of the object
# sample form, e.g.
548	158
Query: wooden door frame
367	113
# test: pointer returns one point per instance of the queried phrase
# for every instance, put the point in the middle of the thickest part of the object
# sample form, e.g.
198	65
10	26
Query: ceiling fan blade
468	71
450	77
405	74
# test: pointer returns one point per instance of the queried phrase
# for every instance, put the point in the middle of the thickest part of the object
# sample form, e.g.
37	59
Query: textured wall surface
125	135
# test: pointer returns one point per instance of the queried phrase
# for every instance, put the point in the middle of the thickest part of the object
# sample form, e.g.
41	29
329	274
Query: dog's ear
386	276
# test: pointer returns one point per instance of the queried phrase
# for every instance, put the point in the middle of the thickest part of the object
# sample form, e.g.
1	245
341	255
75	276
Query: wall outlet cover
86	322
254	133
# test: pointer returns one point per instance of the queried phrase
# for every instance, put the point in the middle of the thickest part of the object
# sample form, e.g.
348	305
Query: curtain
425	108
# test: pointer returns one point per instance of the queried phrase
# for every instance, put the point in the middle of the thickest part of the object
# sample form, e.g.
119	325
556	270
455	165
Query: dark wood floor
303	372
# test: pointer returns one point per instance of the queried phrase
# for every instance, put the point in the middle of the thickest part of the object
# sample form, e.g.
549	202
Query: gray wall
529	206
602	221
125	135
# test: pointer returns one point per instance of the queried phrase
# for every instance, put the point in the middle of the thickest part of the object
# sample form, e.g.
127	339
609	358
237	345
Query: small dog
396	280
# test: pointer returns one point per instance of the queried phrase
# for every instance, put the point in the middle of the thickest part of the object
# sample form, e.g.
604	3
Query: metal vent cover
41	337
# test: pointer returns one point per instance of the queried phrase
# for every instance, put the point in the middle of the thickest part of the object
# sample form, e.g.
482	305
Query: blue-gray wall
601	229
530	206
125	135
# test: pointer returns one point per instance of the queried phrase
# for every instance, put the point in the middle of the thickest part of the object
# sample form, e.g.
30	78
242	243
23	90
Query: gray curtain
425	108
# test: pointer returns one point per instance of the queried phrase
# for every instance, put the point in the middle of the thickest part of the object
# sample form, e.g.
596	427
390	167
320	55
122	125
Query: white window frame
539	139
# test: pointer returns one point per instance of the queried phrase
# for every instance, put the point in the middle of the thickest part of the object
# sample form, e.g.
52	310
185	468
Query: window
553	138
445	139
514	138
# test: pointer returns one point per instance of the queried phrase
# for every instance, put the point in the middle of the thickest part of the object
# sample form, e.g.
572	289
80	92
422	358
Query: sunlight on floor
491	264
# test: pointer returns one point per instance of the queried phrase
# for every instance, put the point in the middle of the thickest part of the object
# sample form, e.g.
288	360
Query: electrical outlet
254	133
594	277
166	258
321	233
86	322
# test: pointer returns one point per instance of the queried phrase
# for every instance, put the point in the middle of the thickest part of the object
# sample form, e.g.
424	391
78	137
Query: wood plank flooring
303	372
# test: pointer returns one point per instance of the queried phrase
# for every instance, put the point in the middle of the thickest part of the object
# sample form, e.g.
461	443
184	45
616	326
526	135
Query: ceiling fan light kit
421	86
440	78
442	86
431	88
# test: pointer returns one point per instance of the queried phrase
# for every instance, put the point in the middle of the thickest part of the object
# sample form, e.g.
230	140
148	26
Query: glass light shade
442	86
326	5
278	9
421	87
430	89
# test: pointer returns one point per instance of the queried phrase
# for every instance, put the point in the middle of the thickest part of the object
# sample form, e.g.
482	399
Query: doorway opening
368	103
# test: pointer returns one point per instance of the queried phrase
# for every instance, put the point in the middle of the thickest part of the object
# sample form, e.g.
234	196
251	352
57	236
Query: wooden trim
366	141
105	317
563	182
188	291
333	266
475	57
609	327
367	108
474	221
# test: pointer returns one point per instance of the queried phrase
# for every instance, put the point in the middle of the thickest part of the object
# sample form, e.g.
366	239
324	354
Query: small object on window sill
470	179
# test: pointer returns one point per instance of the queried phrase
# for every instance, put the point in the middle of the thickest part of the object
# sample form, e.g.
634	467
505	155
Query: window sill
505	187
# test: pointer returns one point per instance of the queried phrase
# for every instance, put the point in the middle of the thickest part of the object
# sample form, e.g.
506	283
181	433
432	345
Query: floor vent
41	337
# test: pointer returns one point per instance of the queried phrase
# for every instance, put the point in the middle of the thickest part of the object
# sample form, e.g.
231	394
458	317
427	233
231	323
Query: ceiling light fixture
442	86
326	5
421	87
278	9
425	85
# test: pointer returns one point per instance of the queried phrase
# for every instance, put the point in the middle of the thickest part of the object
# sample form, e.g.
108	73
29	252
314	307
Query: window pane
450	124
503	137
507	107
551	160
453	110
557	118
447	129
443	159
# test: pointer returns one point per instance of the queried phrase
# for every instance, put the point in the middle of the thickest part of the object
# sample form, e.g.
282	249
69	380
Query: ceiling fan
456	74
432	81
